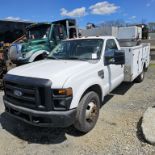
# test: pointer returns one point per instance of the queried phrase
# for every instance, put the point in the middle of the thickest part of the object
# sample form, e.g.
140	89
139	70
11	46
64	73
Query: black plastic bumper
21	61
41	118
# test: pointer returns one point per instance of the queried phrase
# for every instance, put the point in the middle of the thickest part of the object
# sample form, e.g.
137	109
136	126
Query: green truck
40	39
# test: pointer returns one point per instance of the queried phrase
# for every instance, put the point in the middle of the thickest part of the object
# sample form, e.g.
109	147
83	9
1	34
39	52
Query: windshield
39	32
82	49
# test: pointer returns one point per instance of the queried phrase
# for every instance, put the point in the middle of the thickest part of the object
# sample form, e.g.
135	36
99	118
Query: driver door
114	74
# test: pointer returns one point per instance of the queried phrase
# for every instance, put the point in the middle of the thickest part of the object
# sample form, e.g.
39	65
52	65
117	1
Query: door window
110	49
111	45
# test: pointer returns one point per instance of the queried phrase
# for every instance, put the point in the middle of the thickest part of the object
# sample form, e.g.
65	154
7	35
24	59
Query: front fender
36	54
80	88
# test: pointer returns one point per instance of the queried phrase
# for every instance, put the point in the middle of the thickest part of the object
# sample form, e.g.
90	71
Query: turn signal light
66	92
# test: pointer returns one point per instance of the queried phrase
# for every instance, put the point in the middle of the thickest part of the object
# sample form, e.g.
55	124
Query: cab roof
37	25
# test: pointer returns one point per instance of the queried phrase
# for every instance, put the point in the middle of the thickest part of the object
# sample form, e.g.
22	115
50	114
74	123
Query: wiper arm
76	58
69	58
73	58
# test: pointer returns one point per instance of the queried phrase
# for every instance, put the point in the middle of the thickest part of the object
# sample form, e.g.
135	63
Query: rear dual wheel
140	78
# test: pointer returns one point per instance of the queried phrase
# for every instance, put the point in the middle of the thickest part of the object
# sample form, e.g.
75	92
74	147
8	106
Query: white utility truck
70	85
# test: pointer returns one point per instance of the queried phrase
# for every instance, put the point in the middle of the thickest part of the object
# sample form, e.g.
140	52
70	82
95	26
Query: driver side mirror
116	57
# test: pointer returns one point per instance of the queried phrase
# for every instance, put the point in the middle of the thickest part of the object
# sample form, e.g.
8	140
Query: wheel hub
91	111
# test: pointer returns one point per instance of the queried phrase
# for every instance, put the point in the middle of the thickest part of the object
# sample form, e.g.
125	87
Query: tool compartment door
133	62
137	65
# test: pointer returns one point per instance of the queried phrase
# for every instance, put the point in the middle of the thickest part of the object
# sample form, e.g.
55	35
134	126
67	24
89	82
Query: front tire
87	112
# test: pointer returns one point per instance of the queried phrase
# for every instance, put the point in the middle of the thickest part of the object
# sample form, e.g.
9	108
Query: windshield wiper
76	58
68	58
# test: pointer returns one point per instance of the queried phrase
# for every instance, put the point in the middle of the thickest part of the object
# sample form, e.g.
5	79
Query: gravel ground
118	130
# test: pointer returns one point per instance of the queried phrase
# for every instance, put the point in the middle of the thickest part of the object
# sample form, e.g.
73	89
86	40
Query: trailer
125	32
130	32
100	31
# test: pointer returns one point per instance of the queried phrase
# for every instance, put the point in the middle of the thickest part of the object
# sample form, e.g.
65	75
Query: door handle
101	74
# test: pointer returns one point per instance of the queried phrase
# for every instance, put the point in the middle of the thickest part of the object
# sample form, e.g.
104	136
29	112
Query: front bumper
41	118
21	61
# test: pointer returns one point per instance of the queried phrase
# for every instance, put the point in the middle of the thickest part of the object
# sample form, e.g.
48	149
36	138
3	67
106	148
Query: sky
94	11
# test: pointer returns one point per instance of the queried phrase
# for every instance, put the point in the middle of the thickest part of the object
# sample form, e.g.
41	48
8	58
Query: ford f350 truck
70	85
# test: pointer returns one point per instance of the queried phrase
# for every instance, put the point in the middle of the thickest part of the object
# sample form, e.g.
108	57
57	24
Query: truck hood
37	41
58	71
34	45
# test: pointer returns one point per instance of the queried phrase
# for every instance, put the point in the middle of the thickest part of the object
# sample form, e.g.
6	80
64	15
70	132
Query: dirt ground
117	131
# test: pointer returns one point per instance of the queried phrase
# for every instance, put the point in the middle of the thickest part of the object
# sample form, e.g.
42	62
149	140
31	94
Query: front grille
28	92
28	97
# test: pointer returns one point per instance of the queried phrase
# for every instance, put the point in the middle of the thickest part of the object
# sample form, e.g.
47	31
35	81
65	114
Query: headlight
62	98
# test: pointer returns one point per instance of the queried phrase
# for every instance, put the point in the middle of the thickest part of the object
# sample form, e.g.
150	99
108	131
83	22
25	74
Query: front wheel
87	112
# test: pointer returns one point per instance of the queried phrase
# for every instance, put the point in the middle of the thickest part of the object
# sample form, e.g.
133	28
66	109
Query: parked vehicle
41	38
130	32
70	85
100	31
123	33
9	32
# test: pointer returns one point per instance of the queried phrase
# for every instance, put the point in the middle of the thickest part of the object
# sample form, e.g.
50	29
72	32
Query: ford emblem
18	93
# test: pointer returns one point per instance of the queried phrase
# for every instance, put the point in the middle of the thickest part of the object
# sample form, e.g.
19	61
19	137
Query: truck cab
40	39
70	85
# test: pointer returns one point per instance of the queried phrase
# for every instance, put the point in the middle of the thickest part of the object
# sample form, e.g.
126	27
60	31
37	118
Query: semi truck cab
41	38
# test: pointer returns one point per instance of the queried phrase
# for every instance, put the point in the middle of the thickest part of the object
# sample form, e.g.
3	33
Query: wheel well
39	57
96	88
144	67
